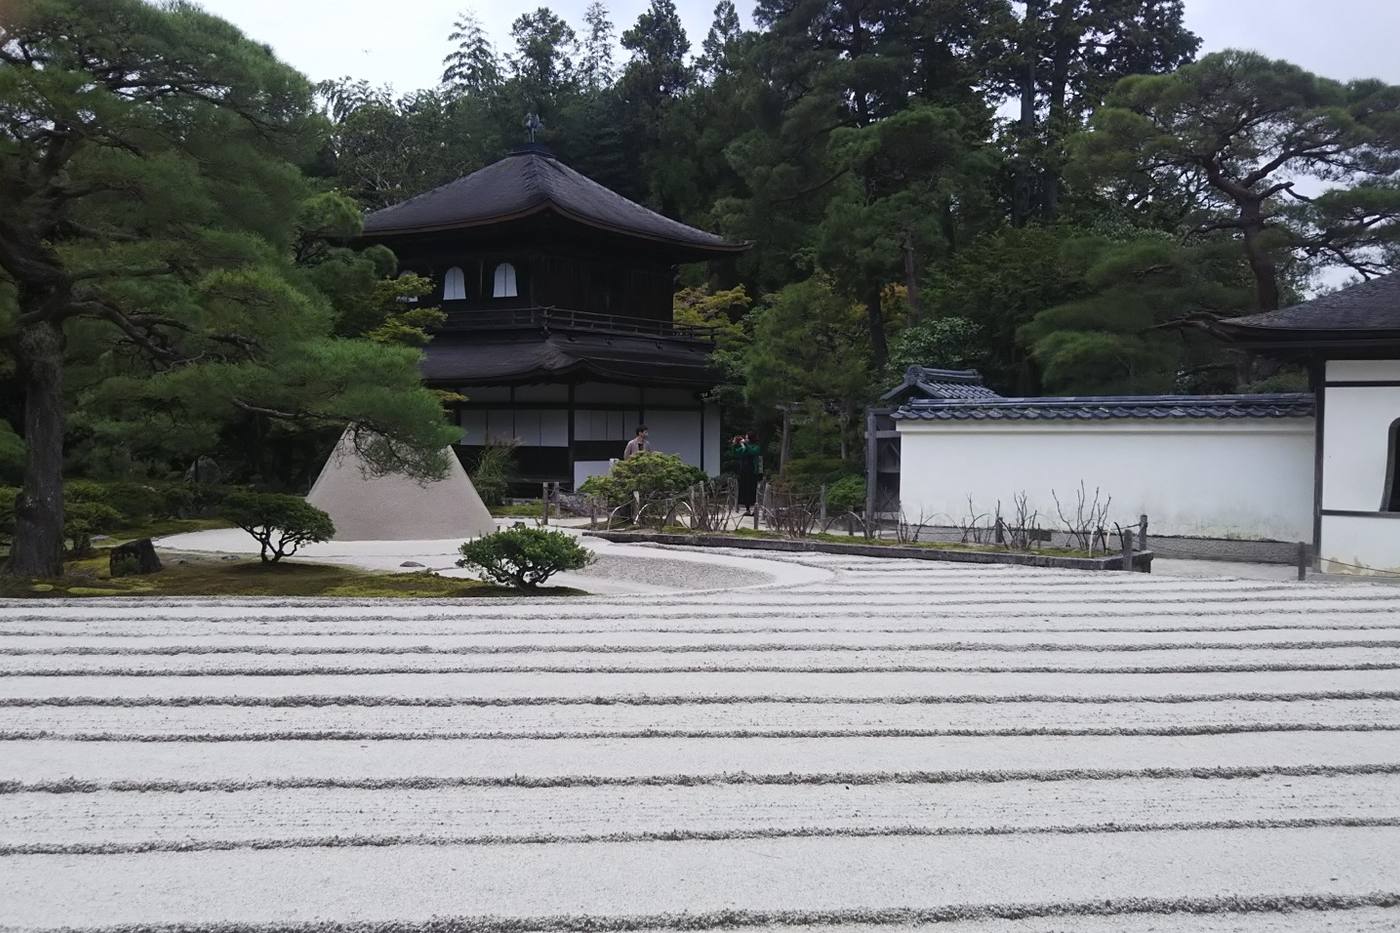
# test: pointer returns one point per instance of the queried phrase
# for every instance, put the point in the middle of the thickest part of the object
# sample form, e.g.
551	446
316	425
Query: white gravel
418	883
803	743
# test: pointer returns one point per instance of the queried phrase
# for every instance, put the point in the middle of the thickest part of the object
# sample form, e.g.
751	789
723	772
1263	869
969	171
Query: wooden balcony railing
564	319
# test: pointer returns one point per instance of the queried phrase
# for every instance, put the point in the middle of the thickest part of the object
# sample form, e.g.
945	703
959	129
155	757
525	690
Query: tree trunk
1057	120
1260	262
38	546
1025	130
787	439
911	278
879	345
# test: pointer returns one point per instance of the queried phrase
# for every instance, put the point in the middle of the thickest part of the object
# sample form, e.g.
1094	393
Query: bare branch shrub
788	512
713	505
1021	531
973	526
1088	526
906	531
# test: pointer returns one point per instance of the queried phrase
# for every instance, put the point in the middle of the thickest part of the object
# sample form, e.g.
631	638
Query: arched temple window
1390	500
454	285
503	283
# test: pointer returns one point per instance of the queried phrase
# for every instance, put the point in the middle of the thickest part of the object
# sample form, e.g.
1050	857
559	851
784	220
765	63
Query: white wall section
1244	478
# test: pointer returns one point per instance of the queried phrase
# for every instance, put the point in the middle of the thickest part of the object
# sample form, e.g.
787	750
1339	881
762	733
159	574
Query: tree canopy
165	253
1054	191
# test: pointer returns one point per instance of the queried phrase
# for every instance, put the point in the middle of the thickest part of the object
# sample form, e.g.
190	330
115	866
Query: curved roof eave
723	247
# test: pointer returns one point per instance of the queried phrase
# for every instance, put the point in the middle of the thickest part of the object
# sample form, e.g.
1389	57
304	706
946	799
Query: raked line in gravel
813	744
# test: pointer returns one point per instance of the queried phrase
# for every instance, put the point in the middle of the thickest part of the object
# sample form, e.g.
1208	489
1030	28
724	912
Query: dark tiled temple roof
527	182
1363	317
457	359
927	382
1111	407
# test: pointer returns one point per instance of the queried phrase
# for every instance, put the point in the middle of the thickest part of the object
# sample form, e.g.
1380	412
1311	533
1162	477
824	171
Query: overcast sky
402	43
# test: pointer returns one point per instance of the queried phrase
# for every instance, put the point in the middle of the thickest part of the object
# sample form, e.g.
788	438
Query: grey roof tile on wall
928	382
1111	407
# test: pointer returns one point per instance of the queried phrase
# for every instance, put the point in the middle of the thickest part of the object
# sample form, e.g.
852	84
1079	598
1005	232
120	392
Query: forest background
1058	193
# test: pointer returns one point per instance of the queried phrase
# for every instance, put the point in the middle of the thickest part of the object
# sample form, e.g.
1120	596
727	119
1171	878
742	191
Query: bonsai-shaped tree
523	558
282	524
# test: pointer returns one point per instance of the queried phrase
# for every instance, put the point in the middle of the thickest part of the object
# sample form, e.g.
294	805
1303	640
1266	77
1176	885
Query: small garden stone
134	557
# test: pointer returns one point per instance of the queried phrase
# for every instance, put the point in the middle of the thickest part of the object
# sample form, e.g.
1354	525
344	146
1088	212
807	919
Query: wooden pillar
572	416
872	465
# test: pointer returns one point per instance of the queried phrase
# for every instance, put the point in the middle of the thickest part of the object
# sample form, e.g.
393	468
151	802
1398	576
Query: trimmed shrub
523	558
845	495
654	475
134	502
281	524
82	520
8	495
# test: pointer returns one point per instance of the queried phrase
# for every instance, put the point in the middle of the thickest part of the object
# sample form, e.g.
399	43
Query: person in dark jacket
749	460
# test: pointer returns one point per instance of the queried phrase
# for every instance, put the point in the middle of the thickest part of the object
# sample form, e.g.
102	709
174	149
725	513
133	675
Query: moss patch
519	510
251	577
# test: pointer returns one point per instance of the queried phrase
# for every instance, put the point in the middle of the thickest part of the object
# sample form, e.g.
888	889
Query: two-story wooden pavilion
558	294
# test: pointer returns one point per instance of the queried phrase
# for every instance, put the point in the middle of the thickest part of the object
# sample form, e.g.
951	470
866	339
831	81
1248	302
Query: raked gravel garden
813	741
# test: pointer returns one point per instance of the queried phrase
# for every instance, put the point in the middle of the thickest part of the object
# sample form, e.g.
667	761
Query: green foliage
8	495
1119	336
280	524
654	475
946	342
133	502
722	310
524	558
11	453
494	472
1236	129
153	159
83	519
846	495
809	473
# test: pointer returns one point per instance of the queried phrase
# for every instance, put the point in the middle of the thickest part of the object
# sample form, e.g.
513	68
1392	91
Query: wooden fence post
1303	560
1142	533
1127	550
544	495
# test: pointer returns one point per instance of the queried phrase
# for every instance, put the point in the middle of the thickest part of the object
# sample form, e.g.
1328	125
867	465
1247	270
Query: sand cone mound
396	507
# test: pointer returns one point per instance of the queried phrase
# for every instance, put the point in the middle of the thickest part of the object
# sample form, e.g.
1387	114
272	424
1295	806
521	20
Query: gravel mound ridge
972	749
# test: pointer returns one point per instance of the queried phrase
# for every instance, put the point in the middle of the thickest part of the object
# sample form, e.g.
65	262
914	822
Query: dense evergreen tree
148	159
894	218
543	65
471	67
596	67
1241	131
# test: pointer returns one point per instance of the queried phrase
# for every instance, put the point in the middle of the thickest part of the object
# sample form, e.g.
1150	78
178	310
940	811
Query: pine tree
596	68
543	63
150	169
719	42
471	66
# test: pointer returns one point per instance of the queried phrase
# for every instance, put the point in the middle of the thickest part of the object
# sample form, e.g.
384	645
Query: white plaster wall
1359	544
1243	479
586	468
675	432
712	440
1362	370
1356	424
